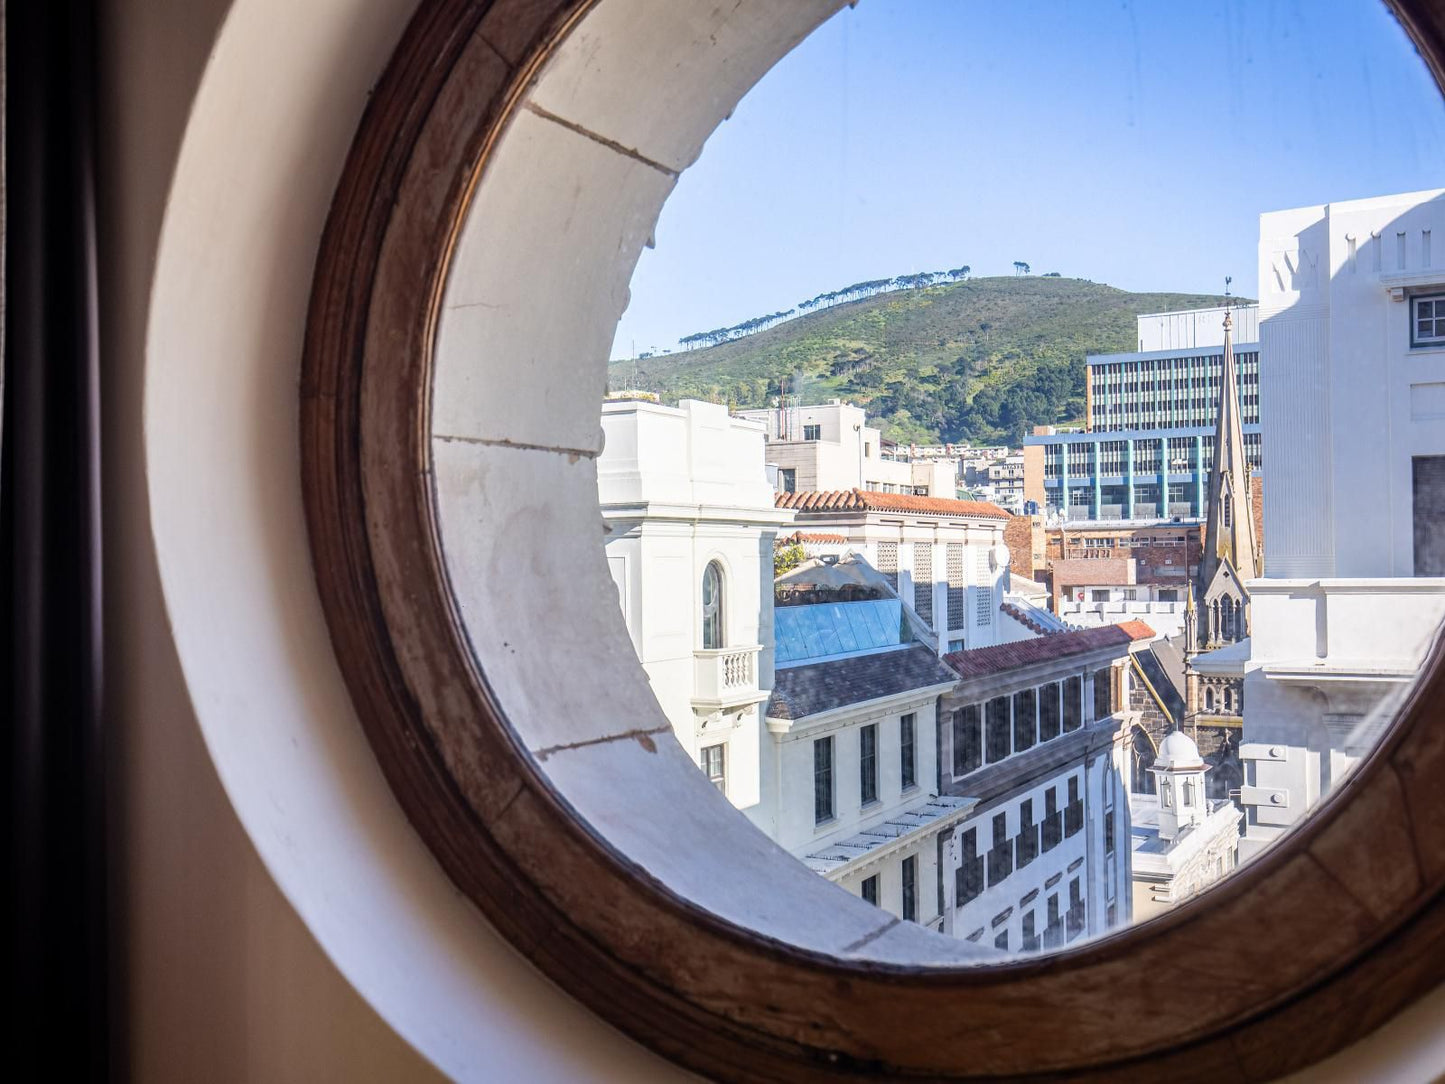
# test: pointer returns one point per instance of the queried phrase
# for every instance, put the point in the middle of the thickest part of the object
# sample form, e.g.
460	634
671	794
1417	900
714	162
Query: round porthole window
513	654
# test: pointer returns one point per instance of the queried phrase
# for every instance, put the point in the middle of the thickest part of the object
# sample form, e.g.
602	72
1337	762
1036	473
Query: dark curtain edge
50	553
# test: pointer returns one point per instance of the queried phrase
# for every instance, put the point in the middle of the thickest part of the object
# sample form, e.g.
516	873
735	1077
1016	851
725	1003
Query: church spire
1229	519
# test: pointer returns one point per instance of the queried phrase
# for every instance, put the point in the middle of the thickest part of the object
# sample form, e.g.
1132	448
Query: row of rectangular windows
990	869
824	789
1006	725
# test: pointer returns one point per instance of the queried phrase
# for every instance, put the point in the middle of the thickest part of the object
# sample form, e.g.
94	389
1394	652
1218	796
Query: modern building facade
1352	594
1151	417
1033	733
690	522
946	558
831	446
1131	474
1172	381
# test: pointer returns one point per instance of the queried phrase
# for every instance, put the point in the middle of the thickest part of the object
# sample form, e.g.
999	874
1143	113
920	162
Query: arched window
712	607
1188	792
1208	699
1228	699
1226	619
1228	510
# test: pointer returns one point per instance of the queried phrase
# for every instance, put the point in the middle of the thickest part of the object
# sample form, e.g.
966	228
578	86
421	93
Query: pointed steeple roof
1229	530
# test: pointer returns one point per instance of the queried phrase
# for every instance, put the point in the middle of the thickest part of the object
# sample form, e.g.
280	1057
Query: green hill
981	360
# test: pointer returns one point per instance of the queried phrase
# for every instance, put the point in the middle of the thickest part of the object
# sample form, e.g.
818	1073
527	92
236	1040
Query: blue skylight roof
830	629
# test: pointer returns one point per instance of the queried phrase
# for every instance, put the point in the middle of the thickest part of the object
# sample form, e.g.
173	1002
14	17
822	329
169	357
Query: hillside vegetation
981	360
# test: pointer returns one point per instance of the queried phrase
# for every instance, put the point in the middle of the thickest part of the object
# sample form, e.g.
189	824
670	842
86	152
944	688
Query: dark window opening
869	890
1073	703
1428	488
997	716
823	780
907	751
1025	720
868	764
969	879
910	888
967	740
1050	712
1001	855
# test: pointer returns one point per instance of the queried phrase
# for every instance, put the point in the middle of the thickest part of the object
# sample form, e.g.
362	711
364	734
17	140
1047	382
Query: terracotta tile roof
797	538
1025	620
982	661
867	500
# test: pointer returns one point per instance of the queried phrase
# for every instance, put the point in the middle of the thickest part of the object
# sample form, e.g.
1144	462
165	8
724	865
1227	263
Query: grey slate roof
800	691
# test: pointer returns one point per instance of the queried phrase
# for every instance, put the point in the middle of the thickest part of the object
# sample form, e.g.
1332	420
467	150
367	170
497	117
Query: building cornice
741	515
893	846
835	718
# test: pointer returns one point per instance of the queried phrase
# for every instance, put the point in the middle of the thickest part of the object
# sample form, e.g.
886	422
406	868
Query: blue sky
1133	143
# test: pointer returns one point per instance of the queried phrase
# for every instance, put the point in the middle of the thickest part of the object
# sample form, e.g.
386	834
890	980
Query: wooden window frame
1367	868
830	771
868	765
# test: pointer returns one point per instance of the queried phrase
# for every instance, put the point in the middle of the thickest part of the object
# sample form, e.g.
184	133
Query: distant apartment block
831	446
1173	381
1003	483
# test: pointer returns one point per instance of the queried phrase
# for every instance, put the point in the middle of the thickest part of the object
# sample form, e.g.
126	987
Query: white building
946	557
1093	606
832	446
849	768
1181	841
1352	330
843	776
1195	329
1005	480
690	526
1033	734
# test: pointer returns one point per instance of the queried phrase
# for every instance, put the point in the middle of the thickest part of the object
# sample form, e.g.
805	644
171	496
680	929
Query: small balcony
726	677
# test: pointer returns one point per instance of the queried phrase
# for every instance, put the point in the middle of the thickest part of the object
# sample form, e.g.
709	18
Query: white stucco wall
681	488
1341	385
792	749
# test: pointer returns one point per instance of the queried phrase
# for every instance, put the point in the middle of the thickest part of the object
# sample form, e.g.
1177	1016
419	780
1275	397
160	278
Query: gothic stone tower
1231	554
1217	606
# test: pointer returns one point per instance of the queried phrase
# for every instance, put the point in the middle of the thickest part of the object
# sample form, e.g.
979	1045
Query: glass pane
1052	498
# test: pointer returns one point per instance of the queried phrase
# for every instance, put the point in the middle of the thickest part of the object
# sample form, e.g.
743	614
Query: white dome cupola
1179	770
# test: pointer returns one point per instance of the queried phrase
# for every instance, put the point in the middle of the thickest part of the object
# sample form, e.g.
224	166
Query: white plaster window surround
1427	320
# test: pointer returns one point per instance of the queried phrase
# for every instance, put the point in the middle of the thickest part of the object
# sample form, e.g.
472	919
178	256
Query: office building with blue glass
1150	443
